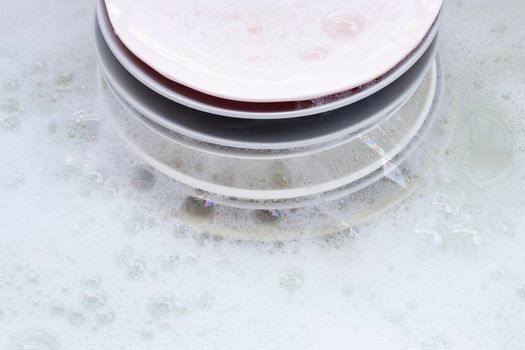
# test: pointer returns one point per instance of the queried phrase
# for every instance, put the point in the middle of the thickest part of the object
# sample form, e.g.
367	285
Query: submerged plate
247	110
274	50
260	134
290	179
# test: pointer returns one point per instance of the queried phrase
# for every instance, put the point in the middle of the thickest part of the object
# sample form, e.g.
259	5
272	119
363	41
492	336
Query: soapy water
94	254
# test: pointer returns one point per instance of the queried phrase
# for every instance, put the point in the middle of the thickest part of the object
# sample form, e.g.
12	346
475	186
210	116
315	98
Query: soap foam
73	221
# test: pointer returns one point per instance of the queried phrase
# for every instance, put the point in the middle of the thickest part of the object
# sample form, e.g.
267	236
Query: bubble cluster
64	81
134	264
201	208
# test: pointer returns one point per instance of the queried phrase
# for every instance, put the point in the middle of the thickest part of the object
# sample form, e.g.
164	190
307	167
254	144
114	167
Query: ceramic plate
259	134
270	180
277	110
274	50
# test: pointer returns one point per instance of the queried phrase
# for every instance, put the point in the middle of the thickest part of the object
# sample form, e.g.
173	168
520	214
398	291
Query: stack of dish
271	104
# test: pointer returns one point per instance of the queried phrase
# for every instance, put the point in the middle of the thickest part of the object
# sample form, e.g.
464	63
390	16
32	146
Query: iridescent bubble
267	216
343	24
350	230
199	207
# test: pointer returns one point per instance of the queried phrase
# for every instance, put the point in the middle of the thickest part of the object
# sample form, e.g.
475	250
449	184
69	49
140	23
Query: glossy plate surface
260	134
248	110
275	50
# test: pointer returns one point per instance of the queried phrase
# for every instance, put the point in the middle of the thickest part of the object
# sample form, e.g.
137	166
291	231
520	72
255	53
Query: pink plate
272	51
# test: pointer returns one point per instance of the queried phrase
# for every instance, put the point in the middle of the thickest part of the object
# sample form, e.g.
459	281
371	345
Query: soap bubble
291	280
64	81
105	317
343	24
93	298
75	317
160	307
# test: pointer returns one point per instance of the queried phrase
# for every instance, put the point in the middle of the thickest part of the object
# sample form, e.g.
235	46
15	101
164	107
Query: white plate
211	104
260	134
269	180
272	50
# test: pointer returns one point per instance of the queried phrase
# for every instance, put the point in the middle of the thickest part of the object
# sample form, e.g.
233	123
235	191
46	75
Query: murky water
93	253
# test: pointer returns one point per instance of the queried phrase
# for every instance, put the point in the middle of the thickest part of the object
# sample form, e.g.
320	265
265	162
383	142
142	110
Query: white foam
69	210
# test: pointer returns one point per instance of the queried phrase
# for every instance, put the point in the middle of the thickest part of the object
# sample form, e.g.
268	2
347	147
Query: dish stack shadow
270	153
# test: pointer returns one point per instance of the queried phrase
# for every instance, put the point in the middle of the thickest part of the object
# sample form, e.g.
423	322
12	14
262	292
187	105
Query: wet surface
93	252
